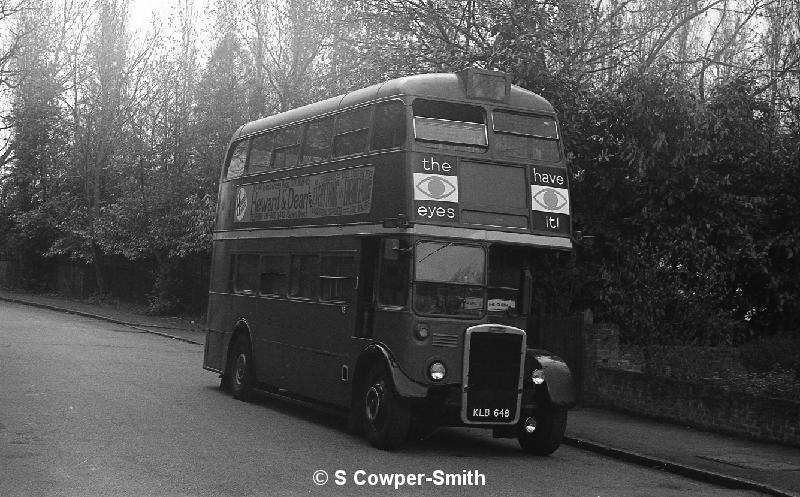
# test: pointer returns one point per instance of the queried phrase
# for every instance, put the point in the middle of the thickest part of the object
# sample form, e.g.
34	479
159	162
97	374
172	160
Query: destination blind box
486	85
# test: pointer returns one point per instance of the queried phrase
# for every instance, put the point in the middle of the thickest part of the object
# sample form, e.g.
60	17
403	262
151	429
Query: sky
141	12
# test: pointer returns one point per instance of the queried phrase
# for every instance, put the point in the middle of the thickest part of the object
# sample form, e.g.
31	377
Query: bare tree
11	39
290	41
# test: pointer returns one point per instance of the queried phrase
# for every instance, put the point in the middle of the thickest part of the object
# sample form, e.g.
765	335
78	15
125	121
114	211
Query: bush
164	299
764	368
770	354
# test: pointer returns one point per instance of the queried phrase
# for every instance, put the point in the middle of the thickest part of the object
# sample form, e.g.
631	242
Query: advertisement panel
335	193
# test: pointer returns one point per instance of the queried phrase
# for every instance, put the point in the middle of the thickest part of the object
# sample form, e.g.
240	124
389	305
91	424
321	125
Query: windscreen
449	279
450	263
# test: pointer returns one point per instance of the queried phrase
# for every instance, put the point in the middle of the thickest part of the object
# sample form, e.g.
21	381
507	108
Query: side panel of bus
301	339
219	329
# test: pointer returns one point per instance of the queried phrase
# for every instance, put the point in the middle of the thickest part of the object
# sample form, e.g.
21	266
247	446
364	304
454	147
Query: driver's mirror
527	287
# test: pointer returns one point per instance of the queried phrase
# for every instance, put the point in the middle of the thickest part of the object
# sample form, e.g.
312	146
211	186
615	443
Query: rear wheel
240	369
386	419
541	434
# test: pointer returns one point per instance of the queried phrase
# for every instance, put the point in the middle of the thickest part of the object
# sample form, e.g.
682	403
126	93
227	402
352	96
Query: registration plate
489	415
491	405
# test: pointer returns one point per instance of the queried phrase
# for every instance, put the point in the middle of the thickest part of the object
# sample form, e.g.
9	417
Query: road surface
92	408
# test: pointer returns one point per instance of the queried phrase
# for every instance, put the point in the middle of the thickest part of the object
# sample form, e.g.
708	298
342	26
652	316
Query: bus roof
445	86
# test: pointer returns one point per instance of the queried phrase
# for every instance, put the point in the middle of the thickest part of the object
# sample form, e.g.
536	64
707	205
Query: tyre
239	376
542	436
386	419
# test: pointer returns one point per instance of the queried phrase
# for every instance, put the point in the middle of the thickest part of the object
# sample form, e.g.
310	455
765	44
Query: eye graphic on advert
550	198
435	187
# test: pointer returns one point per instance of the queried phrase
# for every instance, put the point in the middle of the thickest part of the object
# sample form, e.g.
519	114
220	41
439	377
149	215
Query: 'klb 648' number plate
491	415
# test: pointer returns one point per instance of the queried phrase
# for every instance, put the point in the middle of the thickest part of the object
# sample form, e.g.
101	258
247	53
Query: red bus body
370	243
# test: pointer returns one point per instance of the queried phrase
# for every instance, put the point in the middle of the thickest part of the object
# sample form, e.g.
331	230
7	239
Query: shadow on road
445	441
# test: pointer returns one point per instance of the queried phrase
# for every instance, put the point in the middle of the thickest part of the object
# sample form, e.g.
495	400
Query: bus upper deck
466	151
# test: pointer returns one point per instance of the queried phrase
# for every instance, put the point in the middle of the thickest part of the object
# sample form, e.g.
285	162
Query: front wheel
541	434
386	419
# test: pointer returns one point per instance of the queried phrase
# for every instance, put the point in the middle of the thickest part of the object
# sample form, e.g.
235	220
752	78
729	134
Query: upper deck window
389	130
317	144
287	147
449	123
261	153
237	160
352	131
525	136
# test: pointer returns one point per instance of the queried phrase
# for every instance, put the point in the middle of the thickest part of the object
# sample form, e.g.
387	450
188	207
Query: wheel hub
240	369
530	425
374	402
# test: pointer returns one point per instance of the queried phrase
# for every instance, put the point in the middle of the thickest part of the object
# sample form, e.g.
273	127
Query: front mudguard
404	386
557	376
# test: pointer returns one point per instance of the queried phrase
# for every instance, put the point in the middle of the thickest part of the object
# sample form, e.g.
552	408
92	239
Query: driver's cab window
394	273
507	280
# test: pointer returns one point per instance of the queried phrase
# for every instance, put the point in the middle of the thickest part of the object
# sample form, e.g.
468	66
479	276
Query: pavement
723	460
176	328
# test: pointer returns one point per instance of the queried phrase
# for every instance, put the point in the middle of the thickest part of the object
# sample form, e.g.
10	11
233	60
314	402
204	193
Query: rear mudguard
403	385
557	377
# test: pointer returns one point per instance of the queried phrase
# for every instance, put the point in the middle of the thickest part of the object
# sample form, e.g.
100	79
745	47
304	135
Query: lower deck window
336	278
324	277
304	275
245	273
274	275
395	275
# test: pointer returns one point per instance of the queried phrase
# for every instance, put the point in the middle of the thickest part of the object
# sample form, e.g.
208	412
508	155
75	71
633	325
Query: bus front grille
492	380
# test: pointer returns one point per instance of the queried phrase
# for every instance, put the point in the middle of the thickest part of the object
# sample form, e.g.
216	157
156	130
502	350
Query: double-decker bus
372	253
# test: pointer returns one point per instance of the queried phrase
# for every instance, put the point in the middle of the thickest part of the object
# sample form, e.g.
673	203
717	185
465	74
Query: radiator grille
492	376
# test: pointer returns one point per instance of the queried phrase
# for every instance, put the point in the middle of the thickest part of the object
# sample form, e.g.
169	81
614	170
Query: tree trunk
99	272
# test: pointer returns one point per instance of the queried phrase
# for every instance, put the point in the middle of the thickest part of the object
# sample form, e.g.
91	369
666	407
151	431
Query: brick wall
705	406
